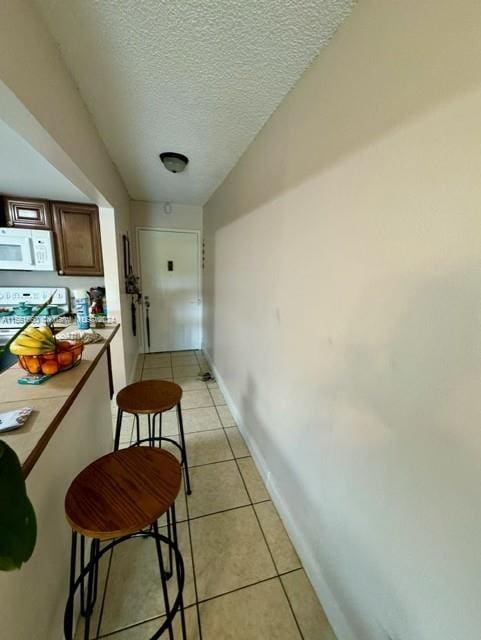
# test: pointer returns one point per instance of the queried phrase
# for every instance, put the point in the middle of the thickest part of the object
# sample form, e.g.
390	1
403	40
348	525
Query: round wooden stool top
149	396
122	492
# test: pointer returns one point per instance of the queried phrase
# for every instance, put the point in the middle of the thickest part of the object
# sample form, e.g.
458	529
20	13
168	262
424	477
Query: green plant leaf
18	526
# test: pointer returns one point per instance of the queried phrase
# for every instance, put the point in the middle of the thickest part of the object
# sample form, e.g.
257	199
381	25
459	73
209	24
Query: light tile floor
244	580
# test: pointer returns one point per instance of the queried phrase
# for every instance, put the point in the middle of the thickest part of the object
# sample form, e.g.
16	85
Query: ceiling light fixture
174	162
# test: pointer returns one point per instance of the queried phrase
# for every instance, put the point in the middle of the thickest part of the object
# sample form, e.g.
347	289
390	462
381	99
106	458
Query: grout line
210	393
245	586
104	595
189	519
215	513
189	526
194	408
279	576
206	464
285	573
189	433
250	504
265	540
112	634
207	406
194	577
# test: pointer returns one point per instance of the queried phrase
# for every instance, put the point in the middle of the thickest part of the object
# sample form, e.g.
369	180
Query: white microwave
26	250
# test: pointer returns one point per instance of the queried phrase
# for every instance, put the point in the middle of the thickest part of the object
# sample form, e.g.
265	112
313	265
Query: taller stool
121	496
153	398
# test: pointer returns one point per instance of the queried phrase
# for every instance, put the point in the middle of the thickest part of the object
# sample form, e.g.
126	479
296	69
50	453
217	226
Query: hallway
326	156
244	581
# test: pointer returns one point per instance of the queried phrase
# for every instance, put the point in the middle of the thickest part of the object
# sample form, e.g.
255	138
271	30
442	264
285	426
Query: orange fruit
65	358
63	345
50	367
33	364
29	363
49	356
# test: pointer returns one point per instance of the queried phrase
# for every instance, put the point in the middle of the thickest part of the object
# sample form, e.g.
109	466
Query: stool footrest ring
162	439
179	563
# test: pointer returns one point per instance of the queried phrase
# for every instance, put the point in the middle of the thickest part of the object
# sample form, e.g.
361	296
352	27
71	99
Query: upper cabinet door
26	213
77	234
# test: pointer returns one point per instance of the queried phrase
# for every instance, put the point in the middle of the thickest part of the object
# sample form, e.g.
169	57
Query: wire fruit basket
68	354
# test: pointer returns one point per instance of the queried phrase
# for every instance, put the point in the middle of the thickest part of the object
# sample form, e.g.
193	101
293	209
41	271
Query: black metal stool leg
149	425
118	427
91	587
169	535
137	426
181	598
163	578
94	549
94	552
185	463
155	437
82	584
68	625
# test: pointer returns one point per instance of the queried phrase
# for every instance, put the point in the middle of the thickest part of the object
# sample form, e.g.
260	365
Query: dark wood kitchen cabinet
26	213
77	236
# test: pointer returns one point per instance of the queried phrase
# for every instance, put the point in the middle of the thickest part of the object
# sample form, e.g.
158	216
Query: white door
169	271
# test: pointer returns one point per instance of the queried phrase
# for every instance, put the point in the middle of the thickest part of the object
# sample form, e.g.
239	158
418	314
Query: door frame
197	233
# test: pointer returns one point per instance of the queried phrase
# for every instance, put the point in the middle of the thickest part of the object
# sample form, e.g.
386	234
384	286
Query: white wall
33	599
152	214
342	312
47	279
39	100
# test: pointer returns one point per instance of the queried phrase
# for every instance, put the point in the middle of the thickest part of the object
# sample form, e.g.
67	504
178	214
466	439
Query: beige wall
39	100
152	214
33	599
342	311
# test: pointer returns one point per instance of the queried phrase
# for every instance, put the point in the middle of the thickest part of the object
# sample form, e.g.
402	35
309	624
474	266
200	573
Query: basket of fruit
40	353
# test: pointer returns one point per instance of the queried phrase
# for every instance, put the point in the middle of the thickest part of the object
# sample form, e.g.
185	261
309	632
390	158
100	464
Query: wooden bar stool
153	398
118	497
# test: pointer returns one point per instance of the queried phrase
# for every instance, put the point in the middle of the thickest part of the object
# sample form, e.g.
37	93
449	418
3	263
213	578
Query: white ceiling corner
25	172
200	77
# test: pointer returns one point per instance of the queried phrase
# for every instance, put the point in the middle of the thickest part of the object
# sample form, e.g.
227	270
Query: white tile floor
244	580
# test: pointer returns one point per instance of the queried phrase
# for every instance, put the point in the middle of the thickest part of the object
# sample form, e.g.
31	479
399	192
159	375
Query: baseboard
306	554
133	368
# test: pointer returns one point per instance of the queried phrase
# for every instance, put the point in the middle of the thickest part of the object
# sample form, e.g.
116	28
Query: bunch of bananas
33	341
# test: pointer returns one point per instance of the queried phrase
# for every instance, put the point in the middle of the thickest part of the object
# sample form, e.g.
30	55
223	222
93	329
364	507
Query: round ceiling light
174	162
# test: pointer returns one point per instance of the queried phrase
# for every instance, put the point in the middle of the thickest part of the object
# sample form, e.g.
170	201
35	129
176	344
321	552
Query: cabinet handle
60	273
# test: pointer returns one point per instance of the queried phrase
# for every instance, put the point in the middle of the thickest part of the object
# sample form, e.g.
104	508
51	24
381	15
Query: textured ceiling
200	77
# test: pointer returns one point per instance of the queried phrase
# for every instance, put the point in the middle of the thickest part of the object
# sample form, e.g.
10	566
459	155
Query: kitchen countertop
50	401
